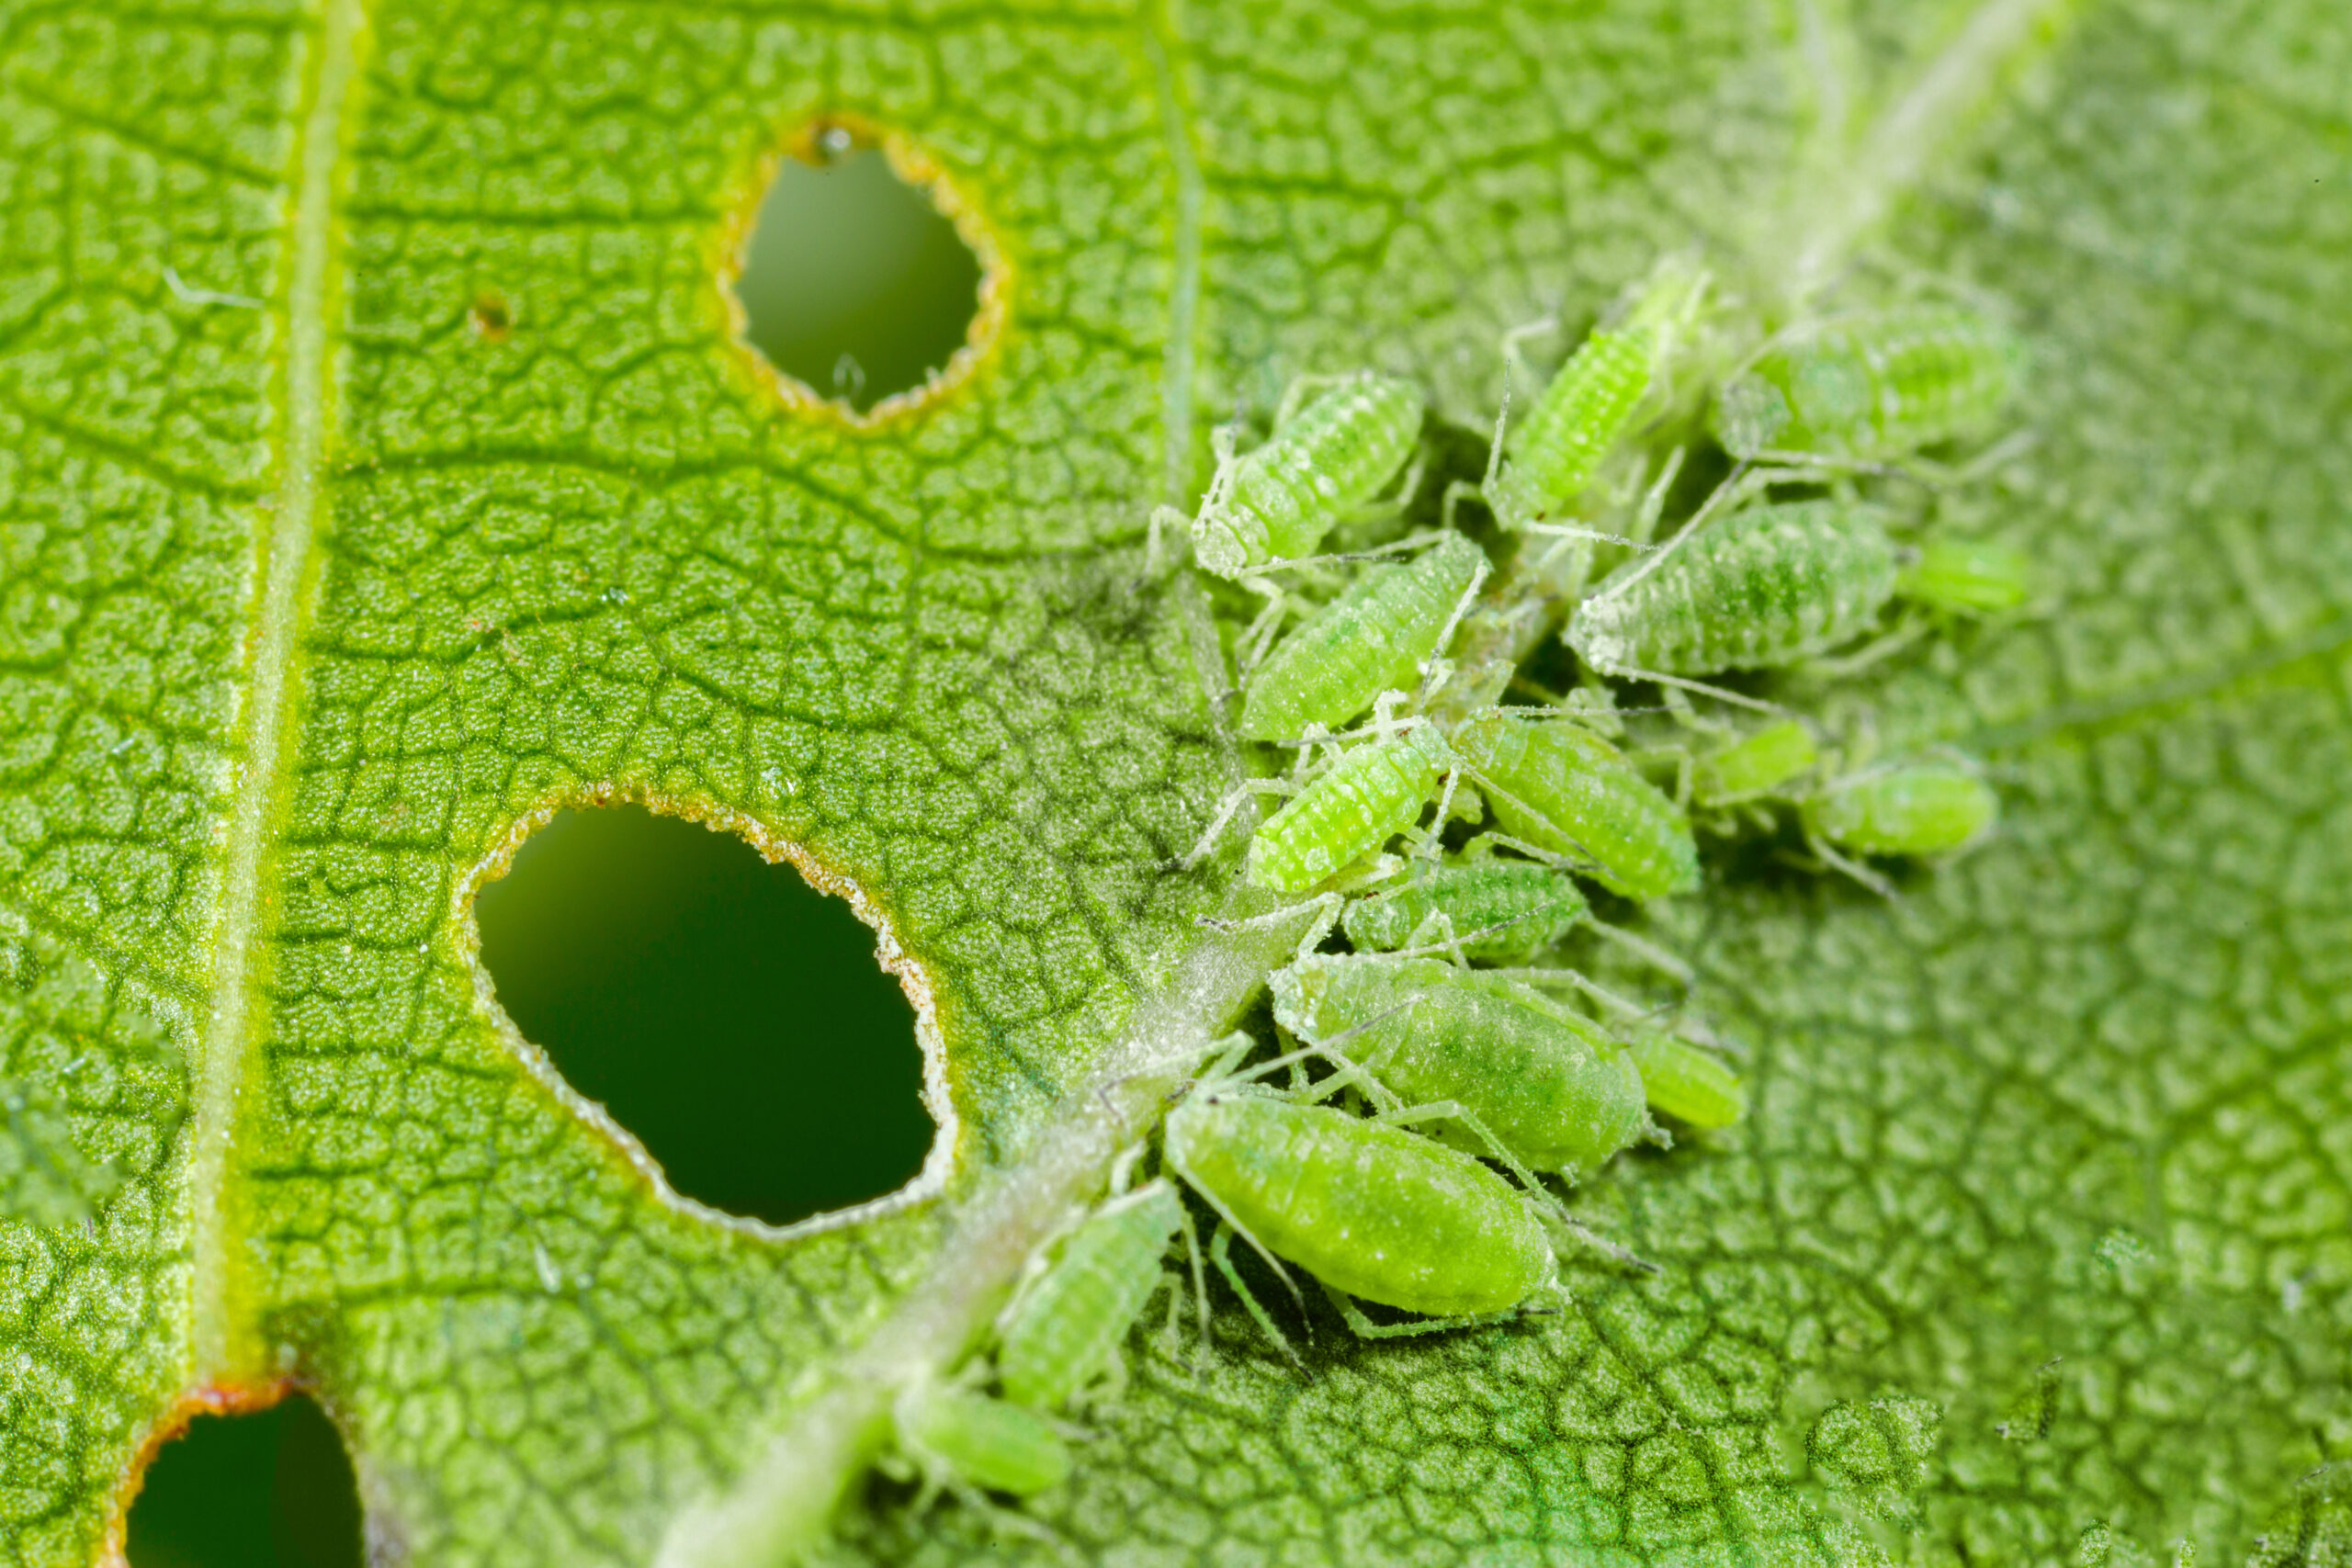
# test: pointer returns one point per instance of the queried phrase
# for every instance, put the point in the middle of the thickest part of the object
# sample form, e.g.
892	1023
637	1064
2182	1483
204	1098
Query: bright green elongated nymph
1871	387
1920	809
969	1437
1755	765
1518	906
1335	455
1368	796
1967	576
1066	1327
1766	586
1369	639
1549	1085
1372	1210
1567	792
1685	1082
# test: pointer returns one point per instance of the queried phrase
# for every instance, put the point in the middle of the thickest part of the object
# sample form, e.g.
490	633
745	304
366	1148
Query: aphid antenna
1736	483
1221	1254
1583	983
1452	946
1648	952
1594	535
1347	1072
1307	381
1325	906
1225	814
1586	867
1652	507
1436	670
1875	651
1587	1236
1825	855
1406	545
1737	699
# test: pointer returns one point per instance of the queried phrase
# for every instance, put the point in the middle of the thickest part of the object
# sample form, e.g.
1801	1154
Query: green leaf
312	596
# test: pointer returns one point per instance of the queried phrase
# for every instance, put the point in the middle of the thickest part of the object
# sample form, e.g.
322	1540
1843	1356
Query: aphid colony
1402	1144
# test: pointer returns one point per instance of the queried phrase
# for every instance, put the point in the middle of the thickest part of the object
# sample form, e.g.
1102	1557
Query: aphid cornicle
1372	639
958	1437
1870	387
1547	1084
1685	1082
1367	1208
1766	586
1553	454
1332	457
1567	792
1921	809
1500	910
1065	1330
1762	764
1367	796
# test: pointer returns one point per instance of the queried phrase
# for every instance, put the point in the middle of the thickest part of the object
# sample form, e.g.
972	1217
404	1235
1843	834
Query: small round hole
730	1017
260	1488
855	284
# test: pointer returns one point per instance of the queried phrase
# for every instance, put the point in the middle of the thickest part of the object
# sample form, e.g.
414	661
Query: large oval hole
263	1489
729	1015
856	284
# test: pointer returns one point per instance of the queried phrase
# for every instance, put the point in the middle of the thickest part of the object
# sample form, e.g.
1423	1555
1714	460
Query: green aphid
1767	586
1973	577
1374	637
1366	1207
1922	809
1500	910
1065	1330
1687	1083
960	1440
1565	791
1871	388
1553	456
1367	796
1330	458
1758	765
1520	1071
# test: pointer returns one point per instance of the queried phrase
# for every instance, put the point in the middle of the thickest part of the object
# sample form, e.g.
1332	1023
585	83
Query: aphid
1328	459
1870	387
1917	809
960	1440
1066	1328
1500	910
1367	796
1367	1207
1761	764
1973	577
1509	1064
1374	637
1579	418
1565	791
1685	1082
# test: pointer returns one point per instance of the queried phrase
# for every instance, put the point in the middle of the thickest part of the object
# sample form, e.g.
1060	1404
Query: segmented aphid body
1368	796
1335	455
1755	766
1870	387
1687	1083
1549	1085
1371	1209
1582	414
960	1438
1967	576
1923	808
1767	586
1372	639
1567	792
1501	910
1066	1329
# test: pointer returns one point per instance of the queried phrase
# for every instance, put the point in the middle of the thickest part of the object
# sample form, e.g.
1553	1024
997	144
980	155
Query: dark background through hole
856	284
272	1489
727	1013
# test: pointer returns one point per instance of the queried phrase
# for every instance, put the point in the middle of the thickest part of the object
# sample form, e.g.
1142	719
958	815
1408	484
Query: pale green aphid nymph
1758	766
1498	910
1685	1082
1559	787
1919	808
1365	797
1321	463
1870	387
963	1440
1064	1331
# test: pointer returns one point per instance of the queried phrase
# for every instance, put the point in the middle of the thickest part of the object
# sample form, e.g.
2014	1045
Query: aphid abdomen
984	1441
1871	387
1969	577
1566	791
1767	586
1575	425
1365	799
1549	1083
1923	809
1758	765
1069	1323
1369	639
1335	455
1522	908
1685	1082
1375	1210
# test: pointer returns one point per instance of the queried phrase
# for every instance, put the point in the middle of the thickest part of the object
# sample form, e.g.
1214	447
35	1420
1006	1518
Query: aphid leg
1162	517
1584	1235
1853	868
1462	1116
1652	507
1912	629
1646	950
1435	669
1676	683
1200	1290
1221	1254
1364	1328
1225	811
1301	384
1589	986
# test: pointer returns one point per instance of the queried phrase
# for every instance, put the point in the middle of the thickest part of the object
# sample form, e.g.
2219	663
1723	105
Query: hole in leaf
856	284
729	1015
263	1489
